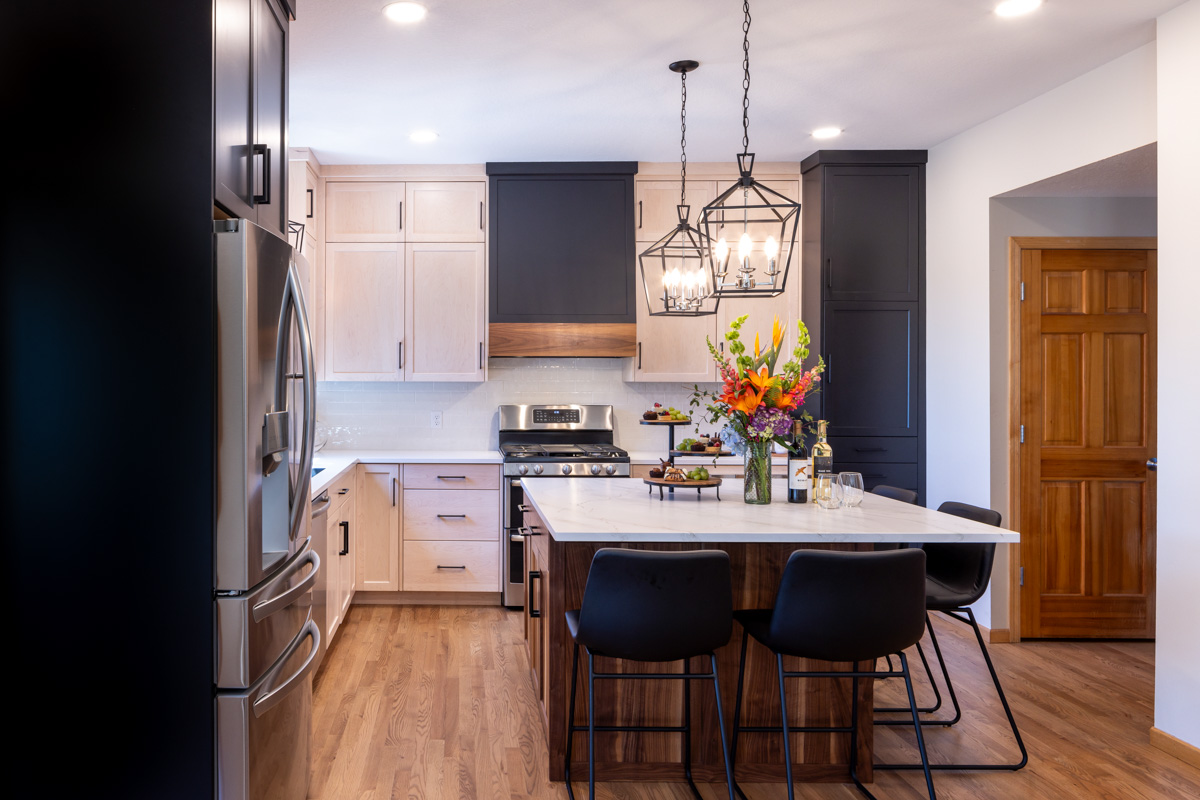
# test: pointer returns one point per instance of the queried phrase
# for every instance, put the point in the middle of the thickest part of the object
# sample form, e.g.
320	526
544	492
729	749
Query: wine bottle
797	465
822	454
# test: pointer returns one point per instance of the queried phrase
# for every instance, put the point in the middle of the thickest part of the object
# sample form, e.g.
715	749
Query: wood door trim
1017	245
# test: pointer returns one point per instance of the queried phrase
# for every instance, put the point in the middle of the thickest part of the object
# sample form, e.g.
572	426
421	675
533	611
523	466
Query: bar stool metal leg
712	662
591	726
787	750
571	722
737	714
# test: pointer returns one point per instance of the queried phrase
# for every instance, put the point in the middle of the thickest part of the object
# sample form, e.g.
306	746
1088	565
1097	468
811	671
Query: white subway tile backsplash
370	415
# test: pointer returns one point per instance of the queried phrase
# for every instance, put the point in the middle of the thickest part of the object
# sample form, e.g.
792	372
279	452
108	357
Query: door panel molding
1119	292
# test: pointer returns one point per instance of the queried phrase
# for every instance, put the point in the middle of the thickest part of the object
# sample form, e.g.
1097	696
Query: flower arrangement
757	403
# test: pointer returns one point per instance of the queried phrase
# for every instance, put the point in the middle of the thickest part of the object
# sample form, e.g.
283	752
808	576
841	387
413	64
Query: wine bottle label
822	465
798	477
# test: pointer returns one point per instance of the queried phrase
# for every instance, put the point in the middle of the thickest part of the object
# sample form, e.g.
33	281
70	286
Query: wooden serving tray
697	485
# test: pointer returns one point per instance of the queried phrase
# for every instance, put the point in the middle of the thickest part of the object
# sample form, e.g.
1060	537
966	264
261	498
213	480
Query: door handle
639	355
451	516
401	215
533	575
481	355
310	203
273	692
480	215
1152	464
400	353
451	566
345	526
265	152
267	607
639	214
393	492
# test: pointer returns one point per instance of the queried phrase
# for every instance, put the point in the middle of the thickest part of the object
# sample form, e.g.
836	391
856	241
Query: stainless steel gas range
549	441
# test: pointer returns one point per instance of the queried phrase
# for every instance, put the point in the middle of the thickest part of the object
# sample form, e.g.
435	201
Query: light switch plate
435	420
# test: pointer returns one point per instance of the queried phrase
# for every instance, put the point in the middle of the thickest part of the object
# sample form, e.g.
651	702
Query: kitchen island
568	520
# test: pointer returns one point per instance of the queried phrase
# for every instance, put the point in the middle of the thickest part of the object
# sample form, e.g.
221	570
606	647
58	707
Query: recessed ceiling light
1015	8
405	12
826	133
423	136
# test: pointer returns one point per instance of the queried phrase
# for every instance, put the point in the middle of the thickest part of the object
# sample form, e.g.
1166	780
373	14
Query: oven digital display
556	415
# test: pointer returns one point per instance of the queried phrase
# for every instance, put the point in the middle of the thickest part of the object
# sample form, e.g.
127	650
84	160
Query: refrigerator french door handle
270	694
293	303
276	602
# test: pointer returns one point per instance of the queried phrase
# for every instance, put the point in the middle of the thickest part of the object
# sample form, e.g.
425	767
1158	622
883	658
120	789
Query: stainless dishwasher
320	597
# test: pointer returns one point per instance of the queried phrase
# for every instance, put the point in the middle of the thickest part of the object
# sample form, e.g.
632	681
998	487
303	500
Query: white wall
1103	113
1177	655
1037	216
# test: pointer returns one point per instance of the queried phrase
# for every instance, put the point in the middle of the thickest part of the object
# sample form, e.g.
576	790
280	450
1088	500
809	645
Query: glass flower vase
758	472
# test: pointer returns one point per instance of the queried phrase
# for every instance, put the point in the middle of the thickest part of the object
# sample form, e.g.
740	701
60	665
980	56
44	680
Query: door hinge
1022	291
1022	434
1022	576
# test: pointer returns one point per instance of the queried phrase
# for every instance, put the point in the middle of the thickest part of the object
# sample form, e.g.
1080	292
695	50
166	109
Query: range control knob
566	469
523	469
610	469
537	469
595	469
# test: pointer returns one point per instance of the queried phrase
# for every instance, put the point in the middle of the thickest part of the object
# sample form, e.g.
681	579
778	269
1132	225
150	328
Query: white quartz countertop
335	462
621	510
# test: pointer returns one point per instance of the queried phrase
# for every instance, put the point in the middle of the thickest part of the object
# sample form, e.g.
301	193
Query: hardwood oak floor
435	703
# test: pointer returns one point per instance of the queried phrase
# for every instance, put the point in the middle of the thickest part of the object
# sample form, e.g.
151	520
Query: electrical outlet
435	420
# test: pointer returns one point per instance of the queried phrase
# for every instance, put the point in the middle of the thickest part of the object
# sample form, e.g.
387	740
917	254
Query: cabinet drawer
341	489
451	566
874	449
903	476
457	516
451	476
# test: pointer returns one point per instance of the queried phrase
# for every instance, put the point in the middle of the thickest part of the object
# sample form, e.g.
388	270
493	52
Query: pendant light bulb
744	247
721	252
771	248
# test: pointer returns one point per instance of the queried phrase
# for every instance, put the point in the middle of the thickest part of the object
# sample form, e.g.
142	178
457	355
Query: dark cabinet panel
271	114
870	379
561	246
863	290
250	41
233	106
871	231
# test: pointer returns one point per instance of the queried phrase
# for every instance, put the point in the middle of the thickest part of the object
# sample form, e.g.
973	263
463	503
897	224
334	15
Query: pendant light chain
746	77
683	138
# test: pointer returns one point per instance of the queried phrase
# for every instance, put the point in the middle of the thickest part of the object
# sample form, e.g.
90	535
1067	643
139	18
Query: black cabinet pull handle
829	369
345	525
401	215
400	353
265	152
451	477
344	491
481	355
394	482
870	449
639	214
639	355
534	574
829	273
451	566
451	516
480	215
310	203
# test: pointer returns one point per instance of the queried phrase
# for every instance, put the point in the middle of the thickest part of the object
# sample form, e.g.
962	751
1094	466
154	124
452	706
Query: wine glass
828	491
852	488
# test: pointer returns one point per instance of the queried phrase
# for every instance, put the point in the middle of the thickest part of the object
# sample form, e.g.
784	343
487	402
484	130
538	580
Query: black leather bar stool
957	575
841	607
643	605
895	493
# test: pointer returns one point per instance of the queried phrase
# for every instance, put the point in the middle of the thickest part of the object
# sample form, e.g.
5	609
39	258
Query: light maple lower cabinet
341	550
378	509
364	311
537	601
451	528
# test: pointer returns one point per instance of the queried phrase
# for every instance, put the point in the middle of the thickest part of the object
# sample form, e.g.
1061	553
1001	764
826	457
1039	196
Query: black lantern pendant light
751	227
674	274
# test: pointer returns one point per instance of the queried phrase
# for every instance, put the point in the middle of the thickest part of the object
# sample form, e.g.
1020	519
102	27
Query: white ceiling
573	80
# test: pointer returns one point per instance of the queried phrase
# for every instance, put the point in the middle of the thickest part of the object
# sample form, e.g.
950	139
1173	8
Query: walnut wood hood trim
562	339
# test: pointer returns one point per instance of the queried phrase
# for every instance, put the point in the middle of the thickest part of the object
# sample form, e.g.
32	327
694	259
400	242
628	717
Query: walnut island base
570	519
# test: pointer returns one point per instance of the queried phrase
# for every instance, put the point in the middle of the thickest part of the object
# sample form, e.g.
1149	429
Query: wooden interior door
1087	407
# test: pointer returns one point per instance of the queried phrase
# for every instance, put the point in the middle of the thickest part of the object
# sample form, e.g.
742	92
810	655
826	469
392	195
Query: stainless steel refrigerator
267	642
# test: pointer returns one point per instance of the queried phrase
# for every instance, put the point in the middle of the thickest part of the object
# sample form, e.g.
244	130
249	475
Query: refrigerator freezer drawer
264	734
254	628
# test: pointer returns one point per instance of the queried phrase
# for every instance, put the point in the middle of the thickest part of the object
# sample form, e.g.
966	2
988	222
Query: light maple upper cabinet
451	211
364	312
762	312
447	312
672	348
364	211
378	513
305	197
656	210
